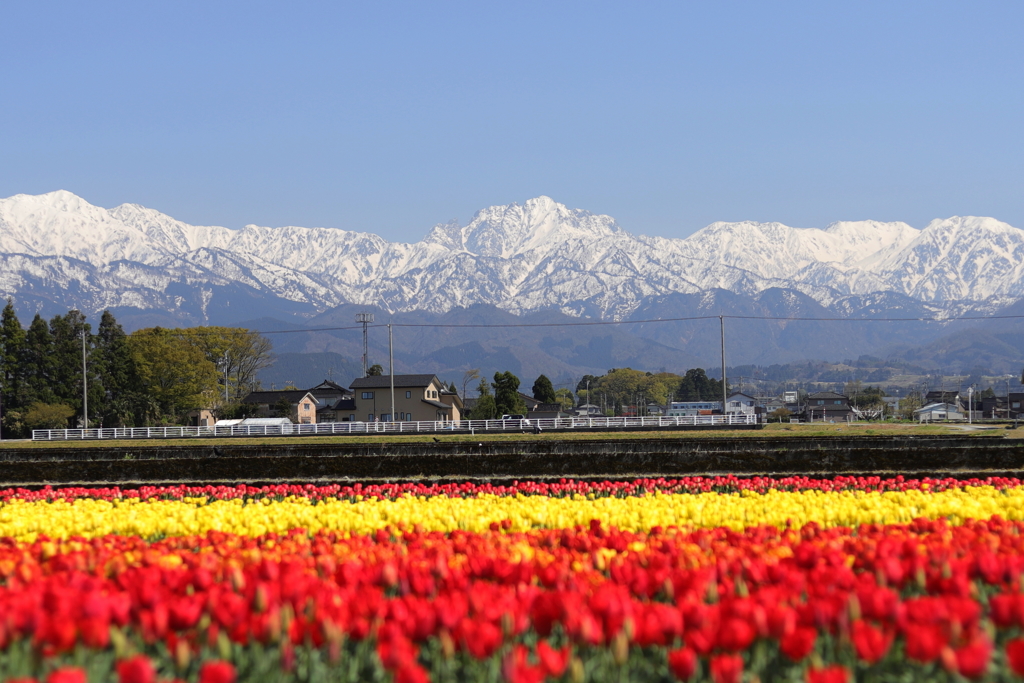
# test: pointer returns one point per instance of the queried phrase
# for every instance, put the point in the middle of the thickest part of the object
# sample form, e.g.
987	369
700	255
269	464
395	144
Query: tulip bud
712	591
620	648
237	579
447	643
224	646
948	659
670	590
629	628
854	605
389	575
260	599
508	624
577	674
741	588
287	656
182	655
120	643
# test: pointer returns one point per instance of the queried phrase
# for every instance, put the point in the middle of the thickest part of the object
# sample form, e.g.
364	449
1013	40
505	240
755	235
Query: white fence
457	427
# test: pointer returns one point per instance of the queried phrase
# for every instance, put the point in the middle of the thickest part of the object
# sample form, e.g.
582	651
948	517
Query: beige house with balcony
418	398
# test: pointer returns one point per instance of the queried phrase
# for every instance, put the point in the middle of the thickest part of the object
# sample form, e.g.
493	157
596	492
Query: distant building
740	404
827	406
589	410
302	404
940	412
418	398
546	411
691	408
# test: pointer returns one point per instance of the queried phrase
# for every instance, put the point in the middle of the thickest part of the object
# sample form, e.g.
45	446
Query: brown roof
384	381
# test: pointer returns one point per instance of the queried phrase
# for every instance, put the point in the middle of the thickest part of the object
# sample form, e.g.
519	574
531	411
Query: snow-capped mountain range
59	251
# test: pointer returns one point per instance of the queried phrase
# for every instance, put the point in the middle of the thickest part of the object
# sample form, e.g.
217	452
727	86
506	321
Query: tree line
619	391
151	377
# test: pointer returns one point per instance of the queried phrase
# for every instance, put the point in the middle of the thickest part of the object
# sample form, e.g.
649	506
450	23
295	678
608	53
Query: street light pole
85	386
391	370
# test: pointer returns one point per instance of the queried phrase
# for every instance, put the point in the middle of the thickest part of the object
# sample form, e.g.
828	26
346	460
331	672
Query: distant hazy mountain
57	251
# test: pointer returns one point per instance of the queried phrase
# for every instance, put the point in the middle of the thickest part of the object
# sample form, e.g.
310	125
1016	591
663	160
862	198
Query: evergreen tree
484	409
697	386
37	373
544	391
118	374
67	332
507	400
12	348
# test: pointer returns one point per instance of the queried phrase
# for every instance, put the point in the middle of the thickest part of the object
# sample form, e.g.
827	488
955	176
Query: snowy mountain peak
520	257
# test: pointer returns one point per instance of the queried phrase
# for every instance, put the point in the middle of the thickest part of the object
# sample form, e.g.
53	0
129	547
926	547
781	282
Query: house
530	401
952	397
303	404
691	408
934	412
740	404
589	410
827	406
417	398
329	392
340	410
546	411
1006	407
202	417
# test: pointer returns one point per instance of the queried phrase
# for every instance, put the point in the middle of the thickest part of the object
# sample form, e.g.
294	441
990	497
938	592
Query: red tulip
217	671
682	663
412	673
137	669
871	643
735	635
1015	655
551	660
727	668
798	643
924	643
828	674
67	674
972	659
481	639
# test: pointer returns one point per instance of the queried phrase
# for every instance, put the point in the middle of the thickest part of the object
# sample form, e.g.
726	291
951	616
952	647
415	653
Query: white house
740	404
934	412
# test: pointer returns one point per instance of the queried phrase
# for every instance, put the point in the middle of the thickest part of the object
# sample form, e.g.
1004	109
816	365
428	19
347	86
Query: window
367	394
305	406
838	403
433	394
821	403
352	417
369	418
408	394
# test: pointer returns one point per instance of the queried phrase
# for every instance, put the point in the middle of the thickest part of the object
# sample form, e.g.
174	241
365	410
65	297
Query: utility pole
85	386
365	319
225	360
725	392
391	370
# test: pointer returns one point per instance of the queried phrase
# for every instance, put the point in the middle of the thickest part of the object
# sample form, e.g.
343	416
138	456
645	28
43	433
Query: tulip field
704	578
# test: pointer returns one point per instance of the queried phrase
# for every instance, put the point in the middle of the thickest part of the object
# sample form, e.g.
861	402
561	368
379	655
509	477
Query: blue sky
391	117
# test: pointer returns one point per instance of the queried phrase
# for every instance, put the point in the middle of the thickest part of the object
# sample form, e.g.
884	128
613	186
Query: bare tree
467	377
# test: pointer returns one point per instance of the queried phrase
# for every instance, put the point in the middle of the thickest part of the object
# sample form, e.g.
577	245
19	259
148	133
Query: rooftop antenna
365	319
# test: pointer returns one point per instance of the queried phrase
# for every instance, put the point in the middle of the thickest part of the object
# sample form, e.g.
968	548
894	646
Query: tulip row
515	585
155	517
561	488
